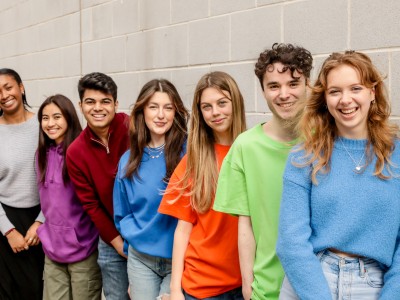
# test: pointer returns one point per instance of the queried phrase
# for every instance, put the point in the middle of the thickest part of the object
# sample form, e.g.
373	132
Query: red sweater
92	168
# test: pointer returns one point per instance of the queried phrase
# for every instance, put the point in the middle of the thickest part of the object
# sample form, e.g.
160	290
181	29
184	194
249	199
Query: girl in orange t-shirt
205	260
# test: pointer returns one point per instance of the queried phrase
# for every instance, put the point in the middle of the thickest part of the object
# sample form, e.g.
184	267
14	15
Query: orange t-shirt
211	263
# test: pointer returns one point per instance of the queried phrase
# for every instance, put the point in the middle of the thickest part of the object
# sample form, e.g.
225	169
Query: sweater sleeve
391	287
121	204
294	248
91	202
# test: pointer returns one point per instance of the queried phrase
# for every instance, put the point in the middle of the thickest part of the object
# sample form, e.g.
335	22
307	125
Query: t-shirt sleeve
231	196
173	204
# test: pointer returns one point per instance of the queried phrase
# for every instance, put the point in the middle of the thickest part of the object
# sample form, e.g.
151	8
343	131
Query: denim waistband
351	263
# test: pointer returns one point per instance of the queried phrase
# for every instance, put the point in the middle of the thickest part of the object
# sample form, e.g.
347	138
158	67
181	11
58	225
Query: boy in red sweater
92	162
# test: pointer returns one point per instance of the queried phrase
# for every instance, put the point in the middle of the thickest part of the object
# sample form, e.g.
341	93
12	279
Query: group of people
304	206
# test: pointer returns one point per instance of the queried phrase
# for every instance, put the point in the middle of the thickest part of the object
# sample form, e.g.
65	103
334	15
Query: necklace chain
358	165
155	152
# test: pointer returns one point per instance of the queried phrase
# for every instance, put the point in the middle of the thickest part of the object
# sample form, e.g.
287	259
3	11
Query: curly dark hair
99	82
294	58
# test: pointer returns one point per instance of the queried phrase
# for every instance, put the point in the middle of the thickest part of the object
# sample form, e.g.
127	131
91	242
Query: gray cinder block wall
52	43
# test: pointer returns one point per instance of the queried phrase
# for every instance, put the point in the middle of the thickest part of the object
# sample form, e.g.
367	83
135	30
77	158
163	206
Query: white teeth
286	105
348	111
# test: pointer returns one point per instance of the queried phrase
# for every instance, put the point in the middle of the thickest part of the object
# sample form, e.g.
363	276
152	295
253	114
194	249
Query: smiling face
10	95
216	108
159	114
53	123
348	101
99	109
284	93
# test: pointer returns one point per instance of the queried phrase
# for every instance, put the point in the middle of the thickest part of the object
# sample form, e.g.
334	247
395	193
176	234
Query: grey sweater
18	187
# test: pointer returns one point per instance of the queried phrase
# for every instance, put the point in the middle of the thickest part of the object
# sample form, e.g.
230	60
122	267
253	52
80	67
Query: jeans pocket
374	276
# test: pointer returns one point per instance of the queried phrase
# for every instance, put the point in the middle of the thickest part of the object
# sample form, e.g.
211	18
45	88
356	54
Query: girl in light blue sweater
339	232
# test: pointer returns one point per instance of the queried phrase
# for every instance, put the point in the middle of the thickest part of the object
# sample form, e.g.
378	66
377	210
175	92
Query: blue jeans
149	276
235	294
114	272
348	278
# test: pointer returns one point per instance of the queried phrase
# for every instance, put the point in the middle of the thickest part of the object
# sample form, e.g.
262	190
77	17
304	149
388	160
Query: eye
273	86
333	92
106	101
206	107
152	107
356	88
89	102
45	118
294	84
169	108
222	103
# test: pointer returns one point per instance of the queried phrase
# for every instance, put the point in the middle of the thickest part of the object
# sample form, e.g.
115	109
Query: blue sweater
354	213
135	208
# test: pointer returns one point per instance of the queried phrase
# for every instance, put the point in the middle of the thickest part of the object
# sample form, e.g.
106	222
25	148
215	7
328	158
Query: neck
223	138
102	134
280	130
16	118
156	141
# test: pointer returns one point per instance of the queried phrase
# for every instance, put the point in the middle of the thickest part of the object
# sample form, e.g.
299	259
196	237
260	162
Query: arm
91	202
294	248
181	241
121	210
247	252
391	287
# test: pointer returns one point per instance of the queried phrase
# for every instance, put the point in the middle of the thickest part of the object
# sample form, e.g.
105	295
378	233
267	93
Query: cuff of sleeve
40	218
5	224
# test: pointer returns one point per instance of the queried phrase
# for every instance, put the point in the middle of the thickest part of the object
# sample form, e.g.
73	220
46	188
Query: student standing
205	262
68	236
339	231
92	163
21	259
250	181
157	142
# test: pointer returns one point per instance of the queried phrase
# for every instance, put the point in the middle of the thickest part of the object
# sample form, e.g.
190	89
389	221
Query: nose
160	114
284	92
51	122
346	98
215	110
97	105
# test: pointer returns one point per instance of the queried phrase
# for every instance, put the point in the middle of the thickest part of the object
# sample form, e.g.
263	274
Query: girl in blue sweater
340	214
158	129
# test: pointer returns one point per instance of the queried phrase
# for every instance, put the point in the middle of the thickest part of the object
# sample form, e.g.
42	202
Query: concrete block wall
52	43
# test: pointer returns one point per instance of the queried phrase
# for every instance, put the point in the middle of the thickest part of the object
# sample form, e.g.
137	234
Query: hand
247	291
118	244
176	295
31	237
17	241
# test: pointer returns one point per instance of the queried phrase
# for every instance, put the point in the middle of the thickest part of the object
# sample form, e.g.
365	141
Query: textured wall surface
52	43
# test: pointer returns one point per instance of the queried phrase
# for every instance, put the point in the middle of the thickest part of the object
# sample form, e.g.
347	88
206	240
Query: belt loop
362	268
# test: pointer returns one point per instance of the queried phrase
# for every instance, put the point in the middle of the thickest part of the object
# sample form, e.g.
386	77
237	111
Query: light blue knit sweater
355	213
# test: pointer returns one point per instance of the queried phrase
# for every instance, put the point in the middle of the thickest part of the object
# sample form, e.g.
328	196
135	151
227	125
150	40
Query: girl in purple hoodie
68	236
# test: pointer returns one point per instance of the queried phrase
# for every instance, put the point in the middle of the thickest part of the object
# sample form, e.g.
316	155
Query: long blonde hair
317	127
200	178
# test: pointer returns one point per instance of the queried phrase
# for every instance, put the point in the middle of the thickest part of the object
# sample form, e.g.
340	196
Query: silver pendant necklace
155	152
358	165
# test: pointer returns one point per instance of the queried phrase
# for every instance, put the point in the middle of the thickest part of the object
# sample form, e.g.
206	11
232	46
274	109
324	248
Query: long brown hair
139	134
317	126
201	174
74	129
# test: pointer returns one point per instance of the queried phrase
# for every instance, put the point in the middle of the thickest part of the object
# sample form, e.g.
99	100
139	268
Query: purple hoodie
67	235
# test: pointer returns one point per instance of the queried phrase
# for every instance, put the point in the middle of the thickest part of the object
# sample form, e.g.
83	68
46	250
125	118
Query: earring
373	101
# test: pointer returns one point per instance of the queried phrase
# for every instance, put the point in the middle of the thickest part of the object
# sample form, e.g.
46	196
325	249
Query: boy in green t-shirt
250	180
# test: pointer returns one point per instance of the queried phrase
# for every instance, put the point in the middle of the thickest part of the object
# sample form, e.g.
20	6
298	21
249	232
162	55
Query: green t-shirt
250	184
